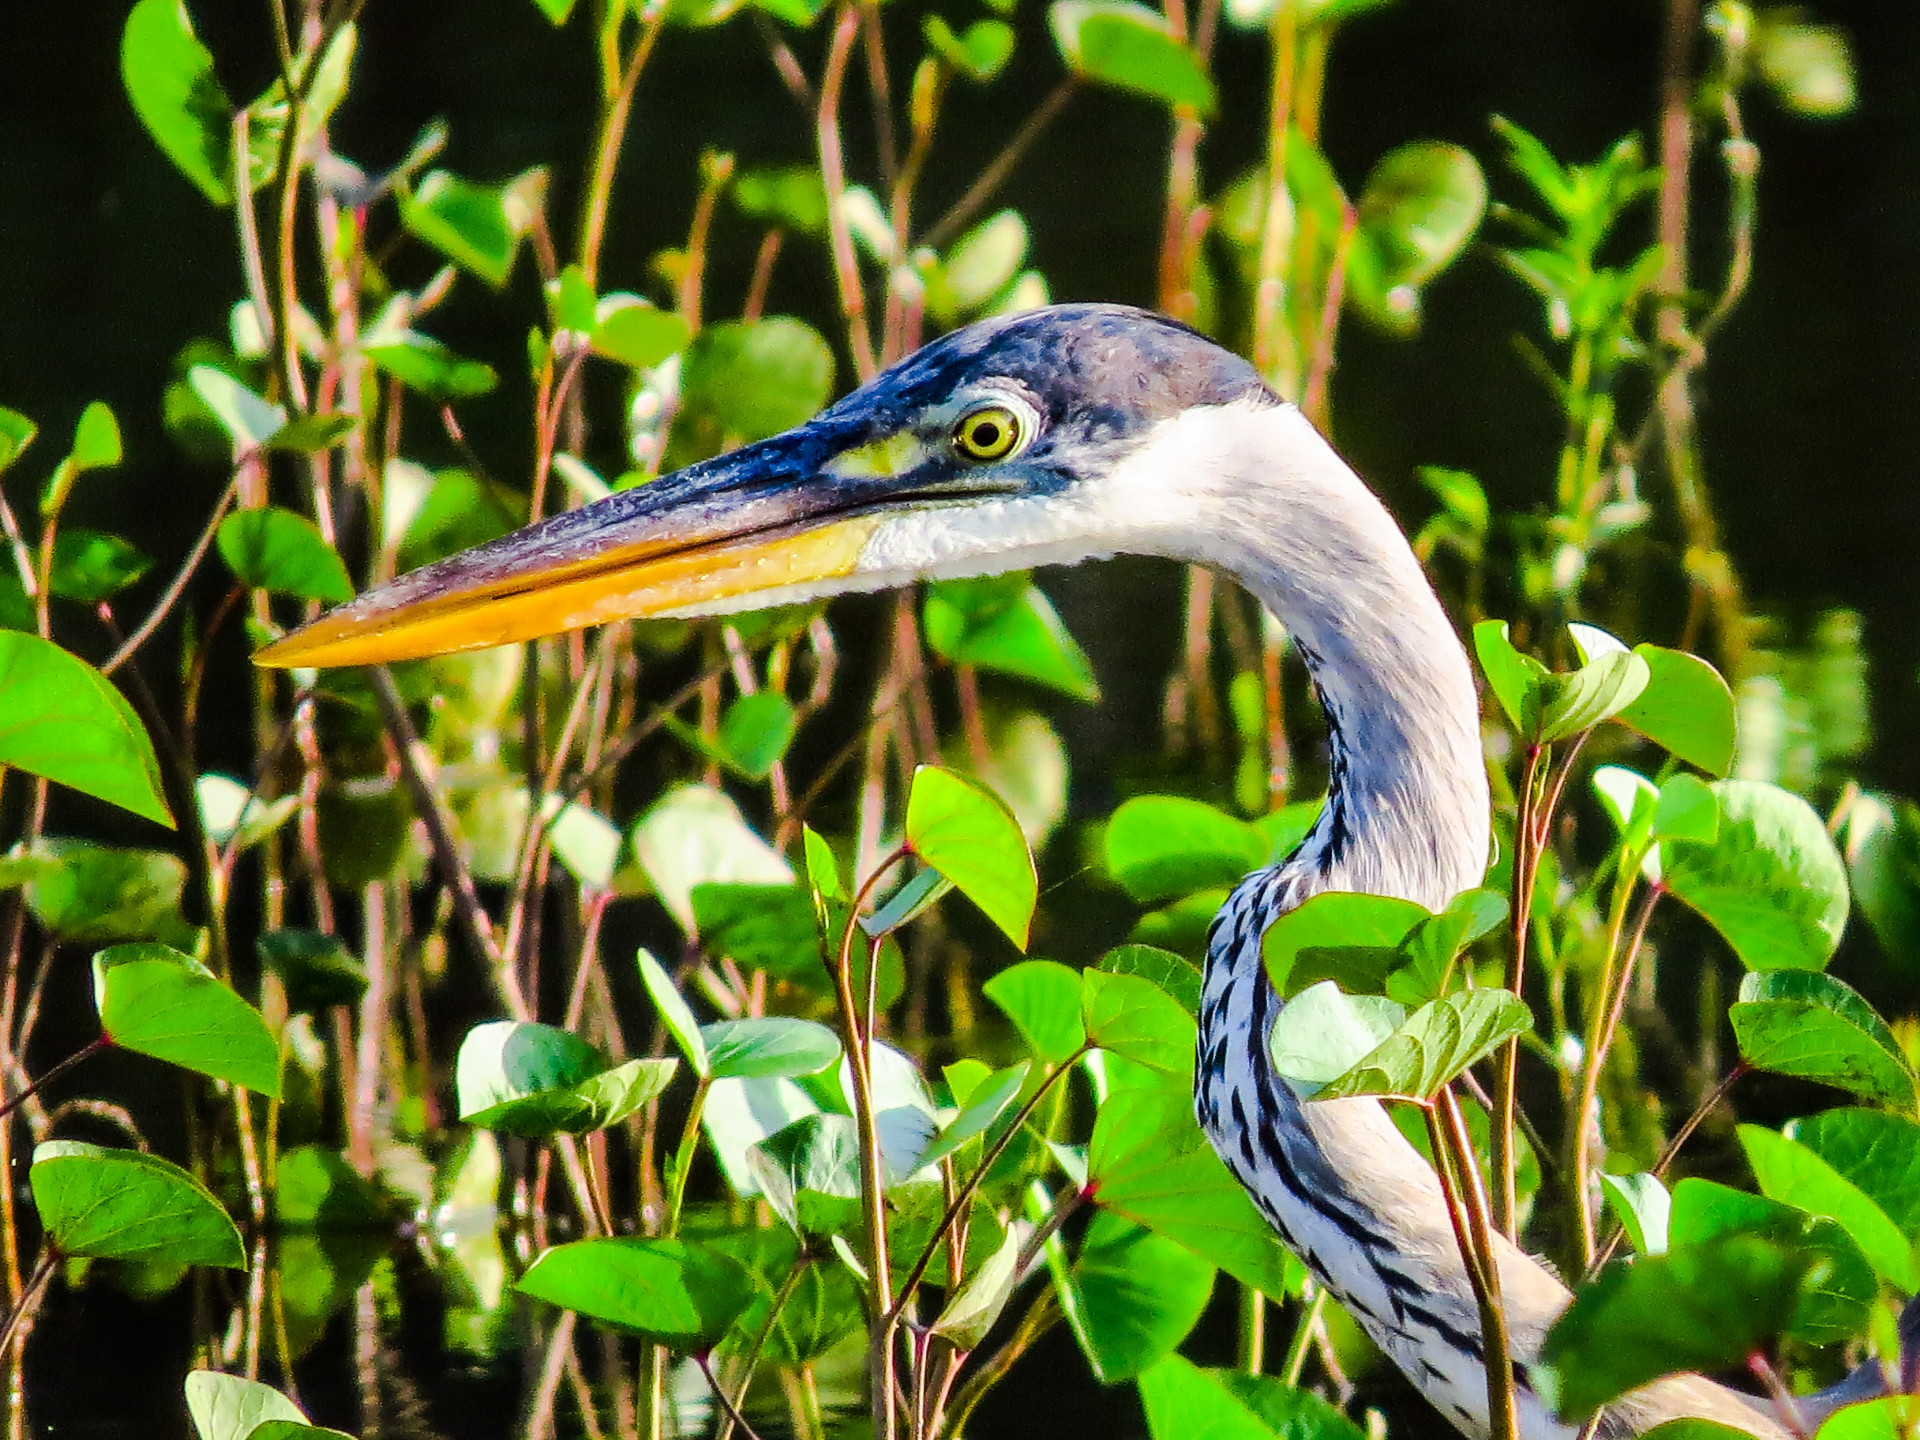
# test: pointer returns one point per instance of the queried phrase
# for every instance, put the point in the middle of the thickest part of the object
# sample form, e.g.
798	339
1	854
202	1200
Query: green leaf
250	422
985	1104
675	1014
907	902
822	1304
556	11
96	443
1808	67
467	223
1597	691
1129	46
1771	882
1042	998
312	434
314	1188
672	1292
789	197
1686	708
295	1430
1158	846
755	733
1515	679
1705	1307
970	1313
170	80
94	893
695	836
1005	624
1643	1205
1418	209
1340	936
103	1204
584	841
318	970
1286	1410
1840	1288
1149	1163
16	433
981	264
1787	1170
966	833
633	332
762	927
1165	969
422	363
155	1001
1882	846
62	719
1810	1025
521	1078
281	552
980	53
757	379
1876	1152
740	1114
1131	1297
90	566
1434	1044
231	1407
809	1172
1184	1402
1136	1019
1892	1418
769	1049
1322	1033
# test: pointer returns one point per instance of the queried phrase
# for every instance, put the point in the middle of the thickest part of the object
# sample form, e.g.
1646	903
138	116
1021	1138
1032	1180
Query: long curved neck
1275	507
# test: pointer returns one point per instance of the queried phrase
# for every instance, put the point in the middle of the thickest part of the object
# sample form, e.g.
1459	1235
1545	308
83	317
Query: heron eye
990	433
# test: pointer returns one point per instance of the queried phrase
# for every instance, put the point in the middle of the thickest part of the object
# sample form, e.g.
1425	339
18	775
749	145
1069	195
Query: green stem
683	1156
1296	1361
1467	1209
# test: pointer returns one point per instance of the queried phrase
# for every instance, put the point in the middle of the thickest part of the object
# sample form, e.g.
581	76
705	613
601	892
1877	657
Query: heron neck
1407	811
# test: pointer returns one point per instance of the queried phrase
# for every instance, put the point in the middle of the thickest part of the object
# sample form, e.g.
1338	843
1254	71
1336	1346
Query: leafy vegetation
849	1153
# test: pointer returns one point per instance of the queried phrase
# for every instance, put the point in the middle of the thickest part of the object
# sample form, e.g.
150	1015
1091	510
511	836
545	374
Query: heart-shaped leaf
155	1001
672	1292
1158	846
106	1204
521	1078
1136	1019
1808	1024
63	720
967	834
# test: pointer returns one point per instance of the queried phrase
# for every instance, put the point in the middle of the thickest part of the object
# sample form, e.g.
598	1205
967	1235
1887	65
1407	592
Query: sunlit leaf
106	1204
633	332
809	1172
981	264
675	1293
422	363
821	1307
1042	998
1686	708
1597	691
250	422
1149	1163
1892	1418
1130	47
521	1078
969	1314
695	836
90	566
1642	1204
1158	846
1876	1152
1787	1170
1808	1024
968	835
276	550
768	1048
470	224
1004	623
675	1014
62	719
980	52
156	1001
95	893
1339	935
1132	1017
1771	882
1515	679
1165	969
788	196
170	80
231	1407
1434	1044
1322	1033
985	1104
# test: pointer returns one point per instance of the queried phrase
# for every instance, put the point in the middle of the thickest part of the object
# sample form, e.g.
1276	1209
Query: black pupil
986	434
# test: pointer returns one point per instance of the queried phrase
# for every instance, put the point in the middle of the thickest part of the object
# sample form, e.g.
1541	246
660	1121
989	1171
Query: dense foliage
832	1152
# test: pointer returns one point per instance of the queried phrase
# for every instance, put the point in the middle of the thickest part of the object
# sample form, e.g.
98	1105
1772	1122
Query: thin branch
1002	165
171	595
846	264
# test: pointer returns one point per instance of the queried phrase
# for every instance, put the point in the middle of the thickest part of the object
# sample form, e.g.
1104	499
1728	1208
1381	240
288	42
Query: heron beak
776	516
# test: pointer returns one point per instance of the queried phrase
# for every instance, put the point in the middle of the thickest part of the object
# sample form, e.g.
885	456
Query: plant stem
92	1047
1296	1361
846	264
1001	166
1507	1058
751	1359
1272	344
1467	1209
30	1296
683	1157
734	1417
616	111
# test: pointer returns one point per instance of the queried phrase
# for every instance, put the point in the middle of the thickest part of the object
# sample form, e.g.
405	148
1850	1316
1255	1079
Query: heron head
997	447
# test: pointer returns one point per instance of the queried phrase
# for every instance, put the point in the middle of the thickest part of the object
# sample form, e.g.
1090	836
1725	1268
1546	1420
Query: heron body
1052	437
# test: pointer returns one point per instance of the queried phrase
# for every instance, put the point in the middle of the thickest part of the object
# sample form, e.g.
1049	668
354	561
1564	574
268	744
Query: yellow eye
990	433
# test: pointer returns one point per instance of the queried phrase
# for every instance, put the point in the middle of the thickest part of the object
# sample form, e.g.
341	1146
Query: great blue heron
1046	438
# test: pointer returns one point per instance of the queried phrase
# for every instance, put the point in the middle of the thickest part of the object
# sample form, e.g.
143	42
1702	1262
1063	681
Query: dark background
110	261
